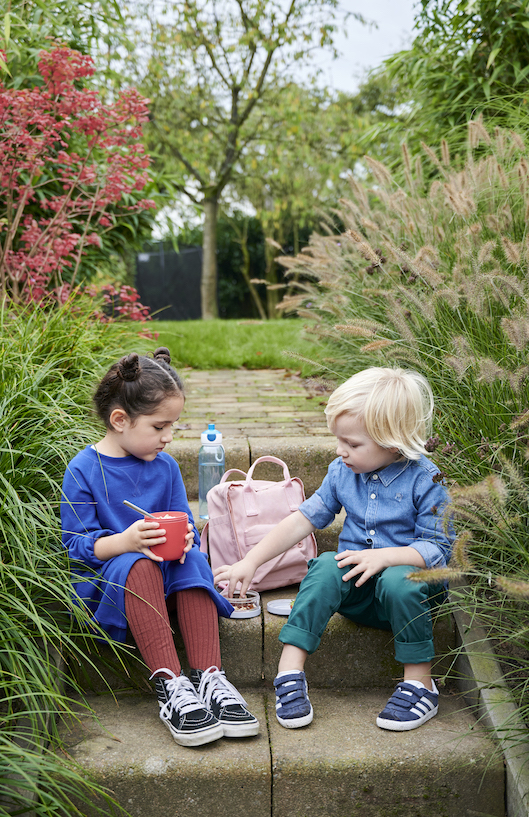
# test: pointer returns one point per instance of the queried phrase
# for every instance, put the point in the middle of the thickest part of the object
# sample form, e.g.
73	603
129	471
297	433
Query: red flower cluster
123	303
70	168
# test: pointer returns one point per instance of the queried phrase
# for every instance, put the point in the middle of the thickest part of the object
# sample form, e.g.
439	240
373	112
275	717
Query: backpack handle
226	474
276	460
249	493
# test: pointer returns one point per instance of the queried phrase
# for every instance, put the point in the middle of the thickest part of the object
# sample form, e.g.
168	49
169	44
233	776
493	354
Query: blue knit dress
94	488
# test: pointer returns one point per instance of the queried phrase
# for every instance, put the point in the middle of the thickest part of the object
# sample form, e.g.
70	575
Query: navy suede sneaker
293	708
409	707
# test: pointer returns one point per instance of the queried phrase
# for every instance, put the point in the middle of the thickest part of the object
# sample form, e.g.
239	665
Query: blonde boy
394	503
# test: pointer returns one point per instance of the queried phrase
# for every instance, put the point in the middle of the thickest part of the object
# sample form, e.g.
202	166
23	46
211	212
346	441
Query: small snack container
248	606
175	525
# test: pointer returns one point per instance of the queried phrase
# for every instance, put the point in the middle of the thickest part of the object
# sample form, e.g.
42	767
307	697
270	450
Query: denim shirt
398	506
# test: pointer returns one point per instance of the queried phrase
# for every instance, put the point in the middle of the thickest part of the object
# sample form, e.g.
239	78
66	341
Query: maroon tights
147	616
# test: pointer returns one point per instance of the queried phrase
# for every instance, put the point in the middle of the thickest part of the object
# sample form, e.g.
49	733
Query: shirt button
373	496
375	476
371	532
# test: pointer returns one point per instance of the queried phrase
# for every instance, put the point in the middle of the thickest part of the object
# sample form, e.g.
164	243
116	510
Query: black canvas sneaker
183	713
222	699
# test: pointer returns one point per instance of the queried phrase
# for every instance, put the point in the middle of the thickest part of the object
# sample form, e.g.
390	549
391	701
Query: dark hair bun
129	367
162	353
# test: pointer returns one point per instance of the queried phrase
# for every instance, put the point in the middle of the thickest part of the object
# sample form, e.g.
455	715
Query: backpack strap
249	494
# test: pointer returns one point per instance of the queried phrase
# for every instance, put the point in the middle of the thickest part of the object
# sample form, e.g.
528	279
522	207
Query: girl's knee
145	567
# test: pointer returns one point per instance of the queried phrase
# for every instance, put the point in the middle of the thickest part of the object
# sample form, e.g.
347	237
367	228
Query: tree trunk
245	269
208	284
272	249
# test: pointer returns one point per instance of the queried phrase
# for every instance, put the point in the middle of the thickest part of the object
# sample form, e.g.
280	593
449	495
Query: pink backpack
242	512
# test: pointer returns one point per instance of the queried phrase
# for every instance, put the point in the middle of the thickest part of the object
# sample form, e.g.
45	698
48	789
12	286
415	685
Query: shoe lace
214	685
181	692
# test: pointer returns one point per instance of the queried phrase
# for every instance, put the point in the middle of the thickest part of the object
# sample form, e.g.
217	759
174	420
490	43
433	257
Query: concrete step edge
340	764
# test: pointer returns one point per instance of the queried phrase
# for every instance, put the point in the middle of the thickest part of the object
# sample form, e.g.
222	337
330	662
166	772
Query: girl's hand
190	538
139	537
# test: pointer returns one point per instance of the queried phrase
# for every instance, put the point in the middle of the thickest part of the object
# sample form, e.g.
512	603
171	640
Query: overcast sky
365	47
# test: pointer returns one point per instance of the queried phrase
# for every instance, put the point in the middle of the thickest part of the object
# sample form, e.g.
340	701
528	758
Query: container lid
211	436
280	607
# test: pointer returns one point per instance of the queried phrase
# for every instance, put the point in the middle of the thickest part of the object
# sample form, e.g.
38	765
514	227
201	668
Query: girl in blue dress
114	572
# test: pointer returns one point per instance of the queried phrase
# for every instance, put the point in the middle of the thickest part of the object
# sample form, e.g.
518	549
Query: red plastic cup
175	525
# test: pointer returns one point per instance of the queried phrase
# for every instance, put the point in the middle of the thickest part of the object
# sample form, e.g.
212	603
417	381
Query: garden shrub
72	173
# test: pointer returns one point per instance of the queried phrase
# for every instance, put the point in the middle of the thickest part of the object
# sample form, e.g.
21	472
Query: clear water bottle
211	462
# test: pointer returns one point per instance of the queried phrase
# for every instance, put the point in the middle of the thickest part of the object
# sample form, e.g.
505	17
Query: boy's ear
118	419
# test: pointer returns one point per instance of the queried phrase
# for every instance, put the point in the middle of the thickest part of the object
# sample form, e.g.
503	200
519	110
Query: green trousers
387	601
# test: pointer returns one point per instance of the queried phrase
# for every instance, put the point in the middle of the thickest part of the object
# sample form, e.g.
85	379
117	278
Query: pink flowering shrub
71	168
119	304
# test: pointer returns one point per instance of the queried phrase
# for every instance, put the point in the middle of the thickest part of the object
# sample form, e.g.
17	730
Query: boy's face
356	448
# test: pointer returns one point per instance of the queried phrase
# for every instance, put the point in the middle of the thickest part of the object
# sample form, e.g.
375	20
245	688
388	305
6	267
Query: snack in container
247	606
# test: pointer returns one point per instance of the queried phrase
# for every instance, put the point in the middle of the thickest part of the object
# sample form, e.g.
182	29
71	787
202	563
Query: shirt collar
389	473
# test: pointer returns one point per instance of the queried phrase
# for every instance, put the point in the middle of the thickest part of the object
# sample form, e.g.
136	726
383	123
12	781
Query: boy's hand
190	538
367	563
233	574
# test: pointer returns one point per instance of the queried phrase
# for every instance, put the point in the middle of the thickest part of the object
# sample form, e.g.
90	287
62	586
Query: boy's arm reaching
288	533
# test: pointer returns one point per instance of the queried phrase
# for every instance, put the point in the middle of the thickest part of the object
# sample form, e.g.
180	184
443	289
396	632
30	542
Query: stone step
350	656
342	764
260	413
307	458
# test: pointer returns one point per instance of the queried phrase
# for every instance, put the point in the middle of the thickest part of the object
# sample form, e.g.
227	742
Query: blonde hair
395	405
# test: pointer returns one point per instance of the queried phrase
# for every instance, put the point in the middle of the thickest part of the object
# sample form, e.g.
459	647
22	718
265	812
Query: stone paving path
242	403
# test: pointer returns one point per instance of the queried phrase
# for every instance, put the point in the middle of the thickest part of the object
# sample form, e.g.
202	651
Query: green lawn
231	344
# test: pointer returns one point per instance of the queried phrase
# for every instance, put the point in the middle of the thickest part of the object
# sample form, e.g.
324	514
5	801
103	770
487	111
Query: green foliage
214	80
241	242
48	362
27	26
464	57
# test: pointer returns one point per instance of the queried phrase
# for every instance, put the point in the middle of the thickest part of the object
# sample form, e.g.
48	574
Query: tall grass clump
48	362
431	272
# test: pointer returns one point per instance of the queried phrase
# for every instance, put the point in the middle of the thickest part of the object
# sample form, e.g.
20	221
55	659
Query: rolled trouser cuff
419	652
303	639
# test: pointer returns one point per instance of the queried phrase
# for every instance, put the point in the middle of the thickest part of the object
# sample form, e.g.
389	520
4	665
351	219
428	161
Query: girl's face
148	434
358	450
